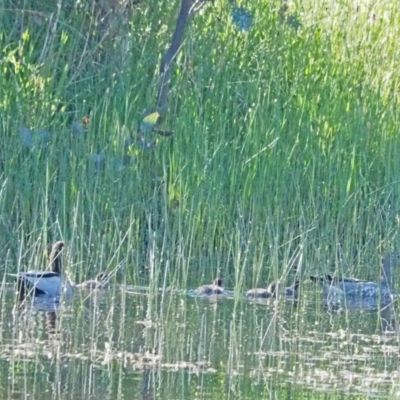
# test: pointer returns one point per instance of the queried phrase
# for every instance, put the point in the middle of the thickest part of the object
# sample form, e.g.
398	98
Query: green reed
284	145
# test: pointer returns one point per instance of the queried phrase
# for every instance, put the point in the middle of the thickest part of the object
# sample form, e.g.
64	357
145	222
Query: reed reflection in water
101	344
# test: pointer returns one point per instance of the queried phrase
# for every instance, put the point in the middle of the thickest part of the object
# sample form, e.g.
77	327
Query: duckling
292	291
214	288
48	283
102	281
273	290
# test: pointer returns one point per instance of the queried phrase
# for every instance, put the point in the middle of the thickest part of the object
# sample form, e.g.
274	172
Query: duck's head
296	285
102	278
218	282
273	287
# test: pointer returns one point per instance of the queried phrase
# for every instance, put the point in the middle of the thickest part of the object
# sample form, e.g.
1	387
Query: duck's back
359	294
210	290
91	284
40	283
365	290
39	274
259	293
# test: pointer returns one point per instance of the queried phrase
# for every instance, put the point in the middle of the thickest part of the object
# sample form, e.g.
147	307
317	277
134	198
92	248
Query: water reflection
388	318
151	344
31	312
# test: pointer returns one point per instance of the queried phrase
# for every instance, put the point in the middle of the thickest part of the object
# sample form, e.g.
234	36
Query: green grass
284	151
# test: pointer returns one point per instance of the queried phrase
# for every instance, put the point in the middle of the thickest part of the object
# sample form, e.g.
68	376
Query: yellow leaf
152	118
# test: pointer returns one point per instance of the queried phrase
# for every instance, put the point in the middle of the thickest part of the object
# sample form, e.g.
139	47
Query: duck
101	281
214	288
273	290
45	283
335	280
358	291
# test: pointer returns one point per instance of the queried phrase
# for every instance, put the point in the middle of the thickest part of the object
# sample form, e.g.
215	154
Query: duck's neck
295	285
273	287
55	260
387	278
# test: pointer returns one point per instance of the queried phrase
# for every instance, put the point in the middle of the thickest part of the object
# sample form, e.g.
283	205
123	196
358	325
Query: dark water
128	343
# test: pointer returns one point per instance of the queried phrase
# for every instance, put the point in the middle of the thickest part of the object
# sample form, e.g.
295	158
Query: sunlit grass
278	147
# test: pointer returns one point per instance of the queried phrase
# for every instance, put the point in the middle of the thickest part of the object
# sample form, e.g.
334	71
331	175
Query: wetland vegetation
279	160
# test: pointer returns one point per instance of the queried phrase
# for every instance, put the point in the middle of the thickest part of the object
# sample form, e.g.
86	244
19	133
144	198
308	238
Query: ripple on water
168	331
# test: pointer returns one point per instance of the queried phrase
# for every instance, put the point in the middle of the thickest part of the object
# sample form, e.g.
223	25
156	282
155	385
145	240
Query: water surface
129	343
